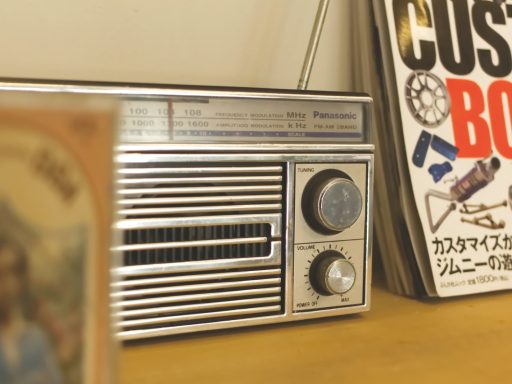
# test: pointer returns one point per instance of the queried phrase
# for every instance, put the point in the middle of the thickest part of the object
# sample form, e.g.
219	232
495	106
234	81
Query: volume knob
331	202
332	274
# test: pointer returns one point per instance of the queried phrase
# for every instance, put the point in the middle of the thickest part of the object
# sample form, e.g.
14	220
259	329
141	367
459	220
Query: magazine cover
449	63
55	207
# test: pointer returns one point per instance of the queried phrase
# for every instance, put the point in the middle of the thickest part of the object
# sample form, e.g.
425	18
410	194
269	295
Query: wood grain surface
401	340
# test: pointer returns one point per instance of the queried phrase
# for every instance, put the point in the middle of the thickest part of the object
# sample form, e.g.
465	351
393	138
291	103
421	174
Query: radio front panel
221	239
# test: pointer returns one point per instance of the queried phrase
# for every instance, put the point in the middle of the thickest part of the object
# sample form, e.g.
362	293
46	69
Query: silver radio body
238	207
263	216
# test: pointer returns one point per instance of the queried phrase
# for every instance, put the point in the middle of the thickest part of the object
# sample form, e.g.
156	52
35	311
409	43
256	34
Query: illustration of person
25	353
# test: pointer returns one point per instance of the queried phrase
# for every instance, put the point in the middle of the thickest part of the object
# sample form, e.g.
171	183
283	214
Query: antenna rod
313	44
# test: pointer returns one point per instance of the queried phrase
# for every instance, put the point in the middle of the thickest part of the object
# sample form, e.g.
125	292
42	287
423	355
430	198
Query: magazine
446	127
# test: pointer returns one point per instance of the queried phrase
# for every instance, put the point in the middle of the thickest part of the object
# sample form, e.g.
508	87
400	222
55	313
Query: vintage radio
237	207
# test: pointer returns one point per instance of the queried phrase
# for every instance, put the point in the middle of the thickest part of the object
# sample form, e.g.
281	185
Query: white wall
257	43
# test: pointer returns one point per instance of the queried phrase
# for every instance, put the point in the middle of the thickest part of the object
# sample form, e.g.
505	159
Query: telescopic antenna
314	38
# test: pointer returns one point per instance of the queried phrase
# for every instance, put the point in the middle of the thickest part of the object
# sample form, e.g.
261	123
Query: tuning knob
332	274
331	202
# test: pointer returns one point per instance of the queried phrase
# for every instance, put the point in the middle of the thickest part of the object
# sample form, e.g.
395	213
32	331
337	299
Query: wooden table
401	340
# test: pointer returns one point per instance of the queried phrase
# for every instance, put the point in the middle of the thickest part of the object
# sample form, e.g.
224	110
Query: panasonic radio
236	207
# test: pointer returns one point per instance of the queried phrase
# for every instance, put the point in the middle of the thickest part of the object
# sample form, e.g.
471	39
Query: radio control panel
329	261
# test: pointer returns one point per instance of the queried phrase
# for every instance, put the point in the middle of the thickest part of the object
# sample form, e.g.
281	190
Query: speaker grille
162	302
172	245
201	242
